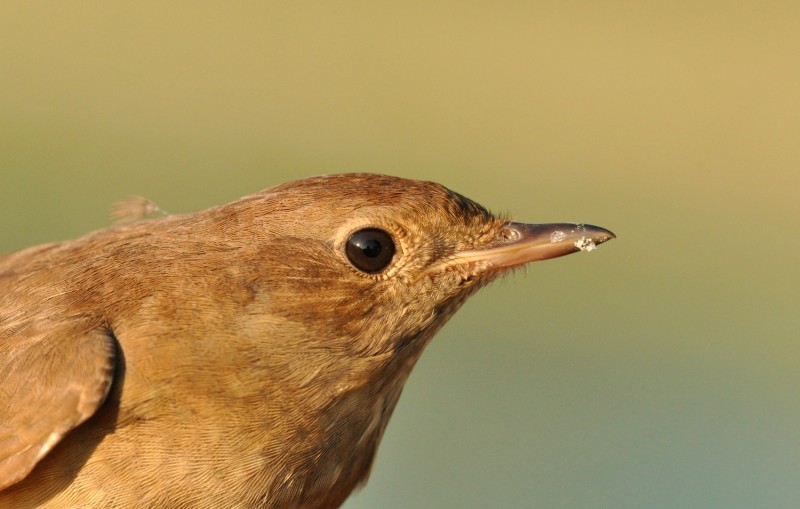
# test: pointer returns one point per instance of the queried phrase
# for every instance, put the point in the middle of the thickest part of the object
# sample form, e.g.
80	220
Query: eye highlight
370	250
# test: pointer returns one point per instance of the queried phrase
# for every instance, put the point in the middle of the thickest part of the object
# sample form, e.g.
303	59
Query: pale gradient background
662	371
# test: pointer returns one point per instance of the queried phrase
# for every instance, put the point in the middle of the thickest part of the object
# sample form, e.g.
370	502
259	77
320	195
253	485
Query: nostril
509	233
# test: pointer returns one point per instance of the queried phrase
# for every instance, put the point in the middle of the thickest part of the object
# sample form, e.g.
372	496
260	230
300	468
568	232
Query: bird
246	356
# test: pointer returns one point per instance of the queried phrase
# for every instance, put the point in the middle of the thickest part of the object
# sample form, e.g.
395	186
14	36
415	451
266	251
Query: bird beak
523	243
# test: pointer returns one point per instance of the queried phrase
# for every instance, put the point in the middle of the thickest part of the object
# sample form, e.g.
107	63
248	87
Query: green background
660	371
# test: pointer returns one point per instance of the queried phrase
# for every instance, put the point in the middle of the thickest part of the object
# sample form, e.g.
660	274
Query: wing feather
48	386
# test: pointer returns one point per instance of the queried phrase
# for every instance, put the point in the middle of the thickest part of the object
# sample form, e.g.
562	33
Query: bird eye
370	250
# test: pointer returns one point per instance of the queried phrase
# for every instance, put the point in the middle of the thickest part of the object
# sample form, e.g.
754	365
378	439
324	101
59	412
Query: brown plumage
249	355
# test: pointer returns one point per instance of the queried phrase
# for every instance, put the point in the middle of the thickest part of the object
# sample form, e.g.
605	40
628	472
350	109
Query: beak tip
585	237
605	235
595	235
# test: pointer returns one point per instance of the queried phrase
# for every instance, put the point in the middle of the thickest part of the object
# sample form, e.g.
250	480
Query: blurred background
660	371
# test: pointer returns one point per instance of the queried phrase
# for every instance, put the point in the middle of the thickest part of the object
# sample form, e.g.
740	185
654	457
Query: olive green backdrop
661	371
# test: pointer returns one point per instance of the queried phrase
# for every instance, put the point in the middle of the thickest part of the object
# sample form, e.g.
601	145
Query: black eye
370	250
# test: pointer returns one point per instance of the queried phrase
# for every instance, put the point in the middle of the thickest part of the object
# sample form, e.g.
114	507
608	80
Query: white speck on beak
585	244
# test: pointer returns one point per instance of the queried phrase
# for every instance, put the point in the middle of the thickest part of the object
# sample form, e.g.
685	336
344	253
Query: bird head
377	264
